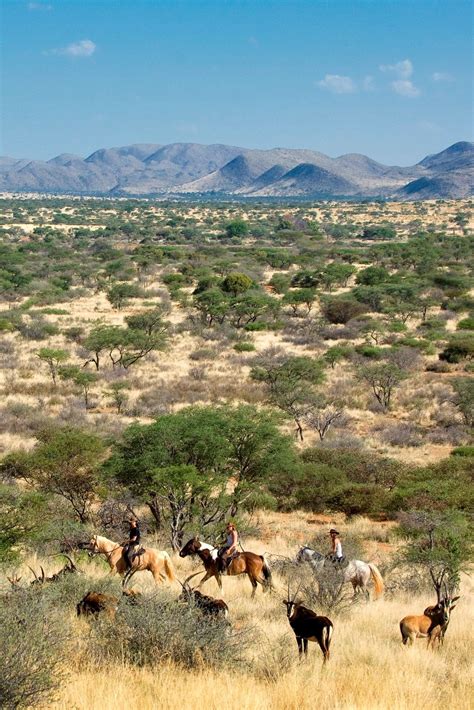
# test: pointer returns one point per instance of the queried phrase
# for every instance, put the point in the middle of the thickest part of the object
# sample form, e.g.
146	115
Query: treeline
195	468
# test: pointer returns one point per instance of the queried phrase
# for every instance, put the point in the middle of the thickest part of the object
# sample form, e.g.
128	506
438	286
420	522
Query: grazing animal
94	603
208	605
254	566
158	562
357	572
69	568
432	624
308	626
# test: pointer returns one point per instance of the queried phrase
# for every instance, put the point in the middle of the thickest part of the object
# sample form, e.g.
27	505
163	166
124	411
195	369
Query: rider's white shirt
338	551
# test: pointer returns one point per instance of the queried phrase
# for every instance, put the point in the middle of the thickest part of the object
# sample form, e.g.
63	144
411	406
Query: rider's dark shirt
134	535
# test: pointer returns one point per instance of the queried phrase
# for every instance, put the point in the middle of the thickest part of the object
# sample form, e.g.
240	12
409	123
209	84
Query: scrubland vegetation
292	367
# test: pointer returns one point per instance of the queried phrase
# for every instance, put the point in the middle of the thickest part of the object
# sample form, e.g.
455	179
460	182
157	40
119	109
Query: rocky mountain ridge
193	169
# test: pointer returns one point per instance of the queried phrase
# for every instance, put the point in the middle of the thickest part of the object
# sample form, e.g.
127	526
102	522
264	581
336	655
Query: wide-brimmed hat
333	532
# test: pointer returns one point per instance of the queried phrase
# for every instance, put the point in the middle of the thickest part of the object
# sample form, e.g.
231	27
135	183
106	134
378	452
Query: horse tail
267	575
378	579
169	568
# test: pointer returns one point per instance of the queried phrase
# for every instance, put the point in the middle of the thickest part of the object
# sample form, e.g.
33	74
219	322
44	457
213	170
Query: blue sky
388	78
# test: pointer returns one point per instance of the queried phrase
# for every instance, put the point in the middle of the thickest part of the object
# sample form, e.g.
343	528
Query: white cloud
368	83
338	84
38	6
403	69
83	48
405	87
439	76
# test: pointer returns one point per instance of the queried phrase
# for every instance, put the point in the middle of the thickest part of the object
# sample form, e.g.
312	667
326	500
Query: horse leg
253	582
207	576
305	646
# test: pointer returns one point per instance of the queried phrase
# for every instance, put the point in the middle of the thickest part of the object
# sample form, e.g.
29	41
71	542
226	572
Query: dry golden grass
369	668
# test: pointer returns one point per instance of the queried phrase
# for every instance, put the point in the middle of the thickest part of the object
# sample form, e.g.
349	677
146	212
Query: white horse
357	572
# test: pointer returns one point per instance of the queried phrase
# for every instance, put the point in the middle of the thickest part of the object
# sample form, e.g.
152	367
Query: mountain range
188	169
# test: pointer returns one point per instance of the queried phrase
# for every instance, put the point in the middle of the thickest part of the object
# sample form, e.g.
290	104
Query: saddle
141	551
231	557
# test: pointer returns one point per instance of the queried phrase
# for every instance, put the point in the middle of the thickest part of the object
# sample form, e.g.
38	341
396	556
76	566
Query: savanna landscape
292	367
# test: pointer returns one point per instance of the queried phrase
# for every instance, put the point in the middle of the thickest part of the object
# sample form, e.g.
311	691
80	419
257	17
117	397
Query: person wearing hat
133	543
336	546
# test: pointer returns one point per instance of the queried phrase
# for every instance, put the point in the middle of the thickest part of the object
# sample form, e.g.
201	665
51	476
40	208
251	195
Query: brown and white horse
254	566
158	562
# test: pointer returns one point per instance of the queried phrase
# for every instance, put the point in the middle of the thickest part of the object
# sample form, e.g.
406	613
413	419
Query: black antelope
308	626
207	605
432	624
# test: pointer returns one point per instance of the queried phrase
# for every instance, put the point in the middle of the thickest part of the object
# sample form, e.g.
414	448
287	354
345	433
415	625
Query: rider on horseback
132	545
336	547
227	550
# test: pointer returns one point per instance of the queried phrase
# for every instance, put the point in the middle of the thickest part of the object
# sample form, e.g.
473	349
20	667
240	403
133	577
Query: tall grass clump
33	643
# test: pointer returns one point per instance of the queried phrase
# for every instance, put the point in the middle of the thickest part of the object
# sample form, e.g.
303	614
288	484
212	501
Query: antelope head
290	602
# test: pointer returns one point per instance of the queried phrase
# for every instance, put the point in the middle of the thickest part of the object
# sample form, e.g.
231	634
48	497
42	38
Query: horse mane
101	538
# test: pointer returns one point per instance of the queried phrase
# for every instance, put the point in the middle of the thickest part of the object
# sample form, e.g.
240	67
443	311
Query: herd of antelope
305	623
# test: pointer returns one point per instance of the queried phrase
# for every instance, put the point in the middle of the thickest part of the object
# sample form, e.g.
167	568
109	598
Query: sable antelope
14	581
254	566
432	624
208	605
95	602
357	572
155	561
68	568
308	626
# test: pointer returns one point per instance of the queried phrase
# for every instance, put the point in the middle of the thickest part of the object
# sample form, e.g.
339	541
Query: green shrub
466	324
466	451
244	347
369	351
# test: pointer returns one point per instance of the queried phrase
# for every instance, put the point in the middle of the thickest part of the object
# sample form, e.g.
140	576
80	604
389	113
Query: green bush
465	451
244	347
369	351
466	324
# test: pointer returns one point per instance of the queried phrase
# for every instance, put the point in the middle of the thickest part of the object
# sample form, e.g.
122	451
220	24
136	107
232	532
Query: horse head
191	547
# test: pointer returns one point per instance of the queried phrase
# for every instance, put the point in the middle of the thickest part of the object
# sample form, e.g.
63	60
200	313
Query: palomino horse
357	572
157	562
254	566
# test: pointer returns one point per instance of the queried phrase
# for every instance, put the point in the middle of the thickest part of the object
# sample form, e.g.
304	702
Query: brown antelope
308	626
432	624
254	566
207	605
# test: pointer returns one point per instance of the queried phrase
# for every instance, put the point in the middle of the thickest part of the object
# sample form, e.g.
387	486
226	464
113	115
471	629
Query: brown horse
254	566
157	562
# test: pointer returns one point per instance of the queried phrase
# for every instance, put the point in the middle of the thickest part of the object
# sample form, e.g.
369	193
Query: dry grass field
369	668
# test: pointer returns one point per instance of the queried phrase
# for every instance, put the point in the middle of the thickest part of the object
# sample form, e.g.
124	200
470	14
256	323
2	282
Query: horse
357	572
254	566
158	562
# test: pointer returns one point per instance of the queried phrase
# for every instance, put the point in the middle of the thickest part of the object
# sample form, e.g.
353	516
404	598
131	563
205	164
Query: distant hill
191	168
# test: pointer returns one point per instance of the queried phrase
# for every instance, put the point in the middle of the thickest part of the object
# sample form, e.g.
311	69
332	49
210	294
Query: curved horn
73	566
42	575
36	576
296	593
193	575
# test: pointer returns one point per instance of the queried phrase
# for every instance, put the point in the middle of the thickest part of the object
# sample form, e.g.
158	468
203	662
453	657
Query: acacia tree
440	542
53	358
290	382
197	466
383	378
65	462
324	414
